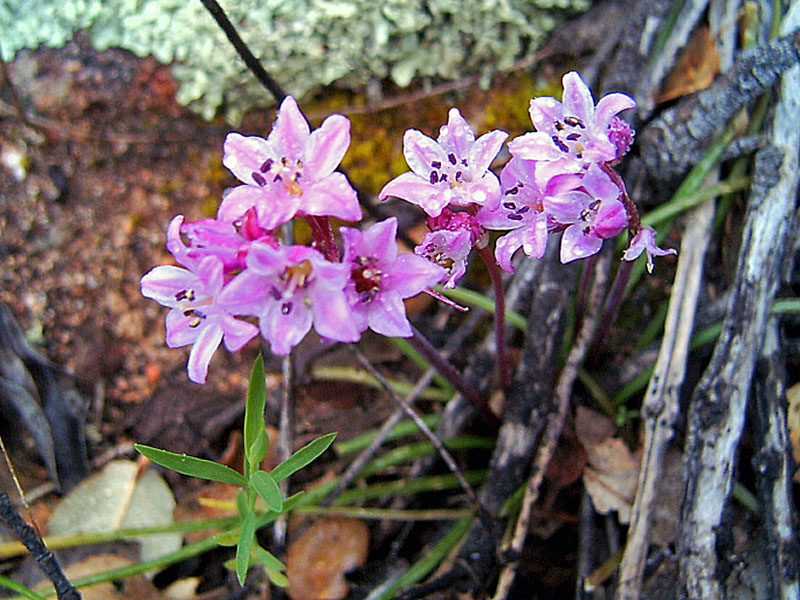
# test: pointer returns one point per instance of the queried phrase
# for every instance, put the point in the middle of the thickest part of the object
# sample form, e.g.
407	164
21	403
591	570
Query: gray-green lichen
304	44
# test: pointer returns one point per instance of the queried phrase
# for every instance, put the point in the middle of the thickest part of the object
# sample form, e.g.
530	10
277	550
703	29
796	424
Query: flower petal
421	152
327	146
505	247
332	196
536	145
202	351
577	100
237	332
284	332
290	132
332	315
163	282
415	189
179	333
609	106
244	155
457	136
387	316
410	274
485	150
575	244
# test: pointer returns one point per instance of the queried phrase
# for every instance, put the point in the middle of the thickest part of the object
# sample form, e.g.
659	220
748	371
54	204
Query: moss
305	44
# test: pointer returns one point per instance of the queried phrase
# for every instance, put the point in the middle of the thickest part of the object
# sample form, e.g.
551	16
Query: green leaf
258	450
254	408
268	489
268	559
226	538
302	457
191	465
277	578
243	546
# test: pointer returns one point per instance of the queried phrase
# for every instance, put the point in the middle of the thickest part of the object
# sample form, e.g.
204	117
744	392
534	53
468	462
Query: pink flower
290	288
574	132
521	211
380	279
197	316
451	170
589	207
291	172
645	241
448	249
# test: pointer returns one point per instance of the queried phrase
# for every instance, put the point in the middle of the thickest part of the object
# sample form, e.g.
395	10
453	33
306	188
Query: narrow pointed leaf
268	489
302	457
245	543
257	452
268	559
191	465
254	409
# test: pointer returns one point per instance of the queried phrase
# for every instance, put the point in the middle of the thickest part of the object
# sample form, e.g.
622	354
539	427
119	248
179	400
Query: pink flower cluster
235	265
235	271
560	179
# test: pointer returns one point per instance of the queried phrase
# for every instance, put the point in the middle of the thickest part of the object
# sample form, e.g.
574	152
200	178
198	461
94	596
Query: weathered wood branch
719	402
677	139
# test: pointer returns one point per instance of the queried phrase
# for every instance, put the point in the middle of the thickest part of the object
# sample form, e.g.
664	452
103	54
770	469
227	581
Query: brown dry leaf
612	473
793	421
695	69
136	586
318	559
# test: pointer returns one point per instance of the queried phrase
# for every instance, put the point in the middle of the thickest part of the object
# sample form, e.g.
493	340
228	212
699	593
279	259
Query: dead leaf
695	69
318	559
793	422
612	474
113	499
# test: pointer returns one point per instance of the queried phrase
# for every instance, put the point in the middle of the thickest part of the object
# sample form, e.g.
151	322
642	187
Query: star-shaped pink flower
291	172
453	169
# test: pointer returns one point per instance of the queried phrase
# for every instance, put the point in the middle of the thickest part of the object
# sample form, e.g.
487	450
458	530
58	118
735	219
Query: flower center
187	302
569	135
285	171
453	173
367	277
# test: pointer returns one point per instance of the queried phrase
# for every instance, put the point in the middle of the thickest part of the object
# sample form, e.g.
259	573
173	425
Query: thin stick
437	443
449	372
243	51
33	542
499	317
555	424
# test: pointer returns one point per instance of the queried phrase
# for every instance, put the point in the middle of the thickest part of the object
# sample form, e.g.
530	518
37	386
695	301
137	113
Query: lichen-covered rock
304	44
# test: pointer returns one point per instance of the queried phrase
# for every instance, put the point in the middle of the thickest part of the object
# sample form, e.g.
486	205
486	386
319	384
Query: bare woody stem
449	372
499	317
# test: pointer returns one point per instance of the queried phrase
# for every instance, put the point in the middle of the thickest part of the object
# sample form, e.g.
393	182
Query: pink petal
411	274
421	152
202	351
332	196
505	247
536	145
576	245
577	100
609	106
387	316
485	150
284	332
534	237
332	316
245	155
179	333
327	146
290	132
457	136
163	282
237	333
273	210
415	189
544	112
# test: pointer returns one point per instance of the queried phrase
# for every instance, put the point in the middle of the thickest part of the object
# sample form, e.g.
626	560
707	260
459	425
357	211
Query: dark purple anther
259	179
266	166
452	158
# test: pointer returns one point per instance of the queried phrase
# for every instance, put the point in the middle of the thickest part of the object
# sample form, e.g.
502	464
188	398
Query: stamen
286	308
452	158
574	136
523	210
267	165
513	191
574	122
259	179
436	164
515	217
510	205
434	178
561	145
